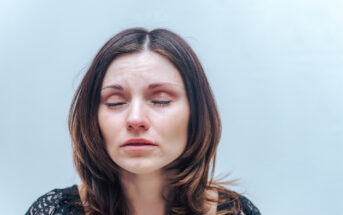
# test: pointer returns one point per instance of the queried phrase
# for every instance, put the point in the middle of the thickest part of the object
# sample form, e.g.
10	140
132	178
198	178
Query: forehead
144	67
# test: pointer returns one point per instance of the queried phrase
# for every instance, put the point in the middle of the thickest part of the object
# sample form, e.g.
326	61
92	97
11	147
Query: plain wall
276	69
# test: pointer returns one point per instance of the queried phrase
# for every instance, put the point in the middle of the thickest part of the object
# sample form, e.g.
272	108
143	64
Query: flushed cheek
110	128
173	130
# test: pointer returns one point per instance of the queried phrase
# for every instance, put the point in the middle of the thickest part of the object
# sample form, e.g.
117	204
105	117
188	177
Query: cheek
109	127
174	127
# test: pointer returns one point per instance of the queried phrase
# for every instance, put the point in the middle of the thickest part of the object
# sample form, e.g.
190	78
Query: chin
141	167
141	170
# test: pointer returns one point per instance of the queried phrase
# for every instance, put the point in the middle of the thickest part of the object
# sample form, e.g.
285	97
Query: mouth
138	144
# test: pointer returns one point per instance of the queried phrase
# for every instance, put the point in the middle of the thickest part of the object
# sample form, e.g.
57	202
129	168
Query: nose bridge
137	116
136	109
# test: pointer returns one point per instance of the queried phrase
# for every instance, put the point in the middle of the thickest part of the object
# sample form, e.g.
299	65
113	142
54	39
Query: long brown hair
100	175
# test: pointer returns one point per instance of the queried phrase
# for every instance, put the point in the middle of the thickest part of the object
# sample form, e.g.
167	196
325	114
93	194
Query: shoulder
57	201
231	201
247	206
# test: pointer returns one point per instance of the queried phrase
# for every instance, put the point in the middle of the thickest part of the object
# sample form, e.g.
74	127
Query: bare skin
144	193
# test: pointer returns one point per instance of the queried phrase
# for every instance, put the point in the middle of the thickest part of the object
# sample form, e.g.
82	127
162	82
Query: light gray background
276	68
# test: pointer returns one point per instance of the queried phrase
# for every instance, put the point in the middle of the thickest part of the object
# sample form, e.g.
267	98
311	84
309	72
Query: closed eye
162	103
115	104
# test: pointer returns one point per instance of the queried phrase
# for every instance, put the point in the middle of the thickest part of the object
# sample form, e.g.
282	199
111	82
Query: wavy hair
194	169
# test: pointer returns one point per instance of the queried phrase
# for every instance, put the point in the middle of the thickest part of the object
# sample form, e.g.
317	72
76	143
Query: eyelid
106	96
115	104
158	98
162	95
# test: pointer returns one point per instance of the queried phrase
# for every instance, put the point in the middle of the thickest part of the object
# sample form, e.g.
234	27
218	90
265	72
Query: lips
138	146
138	143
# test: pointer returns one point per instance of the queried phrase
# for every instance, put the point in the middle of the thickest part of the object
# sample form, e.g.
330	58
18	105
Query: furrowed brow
115	86
155	85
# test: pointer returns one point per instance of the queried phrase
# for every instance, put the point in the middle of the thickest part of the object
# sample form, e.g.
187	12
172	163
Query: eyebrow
151	86
114	86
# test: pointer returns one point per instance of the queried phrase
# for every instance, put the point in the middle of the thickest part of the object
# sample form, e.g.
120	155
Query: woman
145	129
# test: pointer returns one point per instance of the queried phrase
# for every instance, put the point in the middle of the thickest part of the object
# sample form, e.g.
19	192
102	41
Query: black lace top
66	201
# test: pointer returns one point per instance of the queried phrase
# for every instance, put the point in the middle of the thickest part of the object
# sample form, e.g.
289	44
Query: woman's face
144	112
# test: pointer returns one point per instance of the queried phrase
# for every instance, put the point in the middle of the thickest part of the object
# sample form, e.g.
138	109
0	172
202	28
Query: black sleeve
57	202
46	204
248	207
229	203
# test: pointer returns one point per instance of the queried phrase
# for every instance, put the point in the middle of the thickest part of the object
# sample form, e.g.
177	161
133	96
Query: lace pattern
57	202
248	207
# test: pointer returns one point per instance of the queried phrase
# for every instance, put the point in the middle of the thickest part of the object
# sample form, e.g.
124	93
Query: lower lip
139	148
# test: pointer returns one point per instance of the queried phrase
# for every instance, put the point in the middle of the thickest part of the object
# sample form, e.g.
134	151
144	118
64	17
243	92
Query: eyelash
115	104
159	103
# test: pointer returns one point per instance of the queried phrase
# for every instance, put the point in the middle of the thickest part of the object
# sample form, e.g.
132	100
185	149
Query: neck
144	193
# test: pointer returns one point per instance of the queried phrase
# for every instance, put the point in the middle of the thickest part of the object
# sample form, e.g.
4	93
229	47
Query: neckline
75	190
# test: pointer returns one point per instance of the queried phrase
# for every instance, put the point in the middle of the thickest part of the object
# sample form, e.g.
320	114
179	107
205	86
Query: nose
137	119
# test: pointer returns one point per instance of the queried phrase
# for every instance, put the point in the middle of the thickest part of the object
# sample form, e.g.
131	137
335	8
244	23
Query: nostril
137	119
138	125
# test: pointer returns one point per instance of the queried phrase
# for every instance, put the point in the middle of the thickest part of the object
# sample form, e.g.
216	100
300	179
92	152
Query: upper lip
138	140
